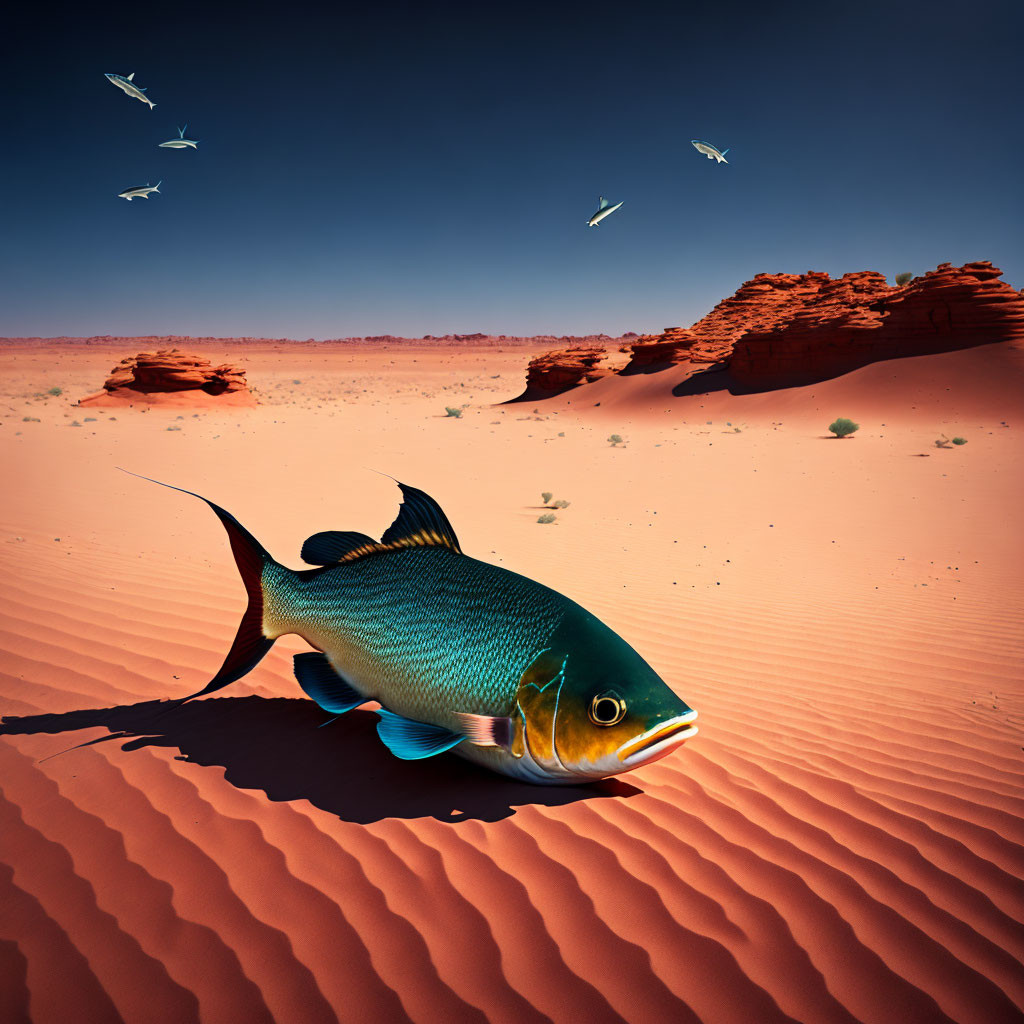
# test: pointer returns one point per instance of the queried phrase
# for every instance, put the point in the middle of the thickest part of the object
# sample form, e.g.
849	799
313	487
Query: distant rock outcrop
787	329
554	372
859	319
673	345
168	372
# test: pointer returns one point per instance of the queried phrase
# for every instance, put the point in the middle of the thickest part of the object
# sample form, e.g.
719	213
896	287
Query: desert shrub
615	439
959	440
30	419
842	427
452	411
904	279
942	442
546	496
548	517
56	392
561	503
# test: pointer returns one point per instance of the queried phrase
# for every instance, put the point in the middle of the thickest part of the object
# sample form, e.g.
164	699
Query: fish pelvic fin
250	643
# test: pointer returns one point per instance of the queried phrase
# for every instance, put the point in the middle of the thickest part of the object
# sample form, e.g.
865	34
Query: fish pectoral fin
486	730
331	546
412	740
318	679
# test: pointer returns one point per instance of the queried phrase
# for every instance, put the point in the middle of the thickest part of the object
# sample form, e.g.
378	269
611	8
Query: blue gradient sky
423	170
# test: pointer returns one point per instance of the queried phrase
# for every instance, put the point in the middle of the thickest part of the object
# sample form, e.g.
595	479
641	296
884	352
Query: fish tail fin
250	643
156	188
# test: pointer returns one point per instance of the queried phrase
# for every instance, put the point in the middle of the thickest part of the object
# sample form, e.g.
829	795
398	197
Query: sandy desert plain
843	841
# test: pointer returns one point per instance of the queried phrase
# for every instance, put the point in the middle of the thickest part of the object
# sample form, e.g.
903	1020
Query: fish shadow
281	747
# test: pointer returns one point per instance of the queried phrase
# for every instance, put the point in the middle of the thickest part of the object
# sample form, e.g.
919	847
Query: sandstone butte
789	329
170	374
553	372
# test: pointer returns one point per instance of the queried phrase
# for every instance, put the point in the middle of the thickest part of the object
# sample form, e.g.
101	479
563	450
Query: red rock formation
760	304
170	372
781	329
673	345
554	372
859	319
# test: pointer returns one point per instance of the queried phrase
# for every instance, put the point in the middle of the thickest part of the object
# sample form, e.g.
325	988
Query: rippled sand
841	842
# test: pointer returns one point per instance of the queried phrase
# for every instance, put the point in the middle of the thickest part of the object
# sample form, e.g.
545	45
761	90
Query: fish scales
426	631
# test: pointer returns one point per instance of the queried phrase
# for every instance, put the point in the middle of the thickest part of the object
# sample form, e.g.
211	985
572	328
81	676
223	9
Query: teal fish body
460	654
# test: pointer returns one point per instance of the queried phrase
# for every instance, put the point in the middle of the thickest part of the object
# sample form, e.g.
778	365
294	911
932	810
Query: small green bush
546	496
561	503
55	391
904	279
843	427
30	419
615	439
453	411
959	440
548	517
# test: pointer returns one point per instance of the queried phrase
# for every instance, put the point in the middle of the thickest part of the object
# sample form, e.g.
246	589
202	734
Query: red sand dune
843	841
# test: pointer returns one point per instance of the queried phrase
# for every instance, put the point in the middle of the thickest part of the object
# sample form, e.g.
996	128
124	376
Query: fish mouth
660	740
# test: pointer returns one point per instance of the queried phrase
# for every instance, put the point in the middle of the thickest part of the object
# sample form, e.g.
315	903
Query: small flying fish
461	655
180	142
709	151
139	191
129	87
603	210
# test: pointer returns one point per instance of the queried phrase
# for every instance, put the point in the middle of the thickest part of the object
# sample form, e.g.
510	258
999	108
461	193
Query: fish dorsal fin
334	546
181	132
420	523
131	76
603	202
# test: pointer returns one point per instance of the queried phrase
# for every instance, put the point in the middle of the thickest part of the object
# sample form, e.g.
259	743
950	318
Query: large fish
462	655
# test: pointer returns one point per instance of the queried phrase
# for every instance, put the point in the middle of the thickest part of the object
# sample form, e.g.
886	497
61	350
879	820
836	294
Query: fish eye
607	709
